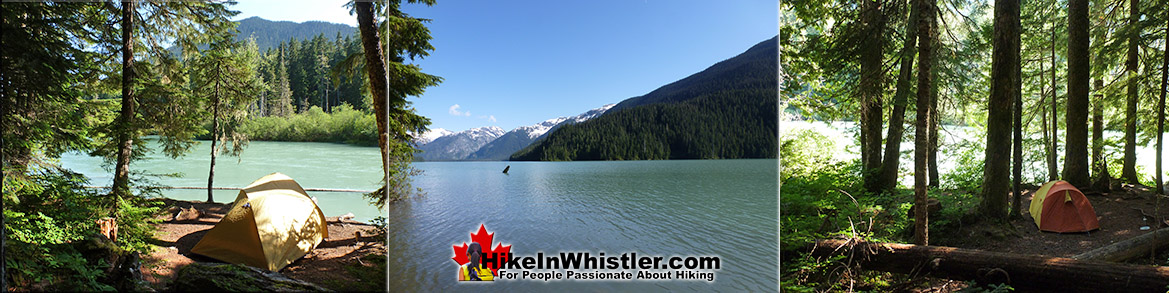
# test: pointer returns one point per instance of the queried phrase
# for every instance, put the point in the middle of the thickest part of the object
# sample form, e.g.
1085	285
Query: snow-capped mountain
538	130
516	139
491	143
432	134
456	146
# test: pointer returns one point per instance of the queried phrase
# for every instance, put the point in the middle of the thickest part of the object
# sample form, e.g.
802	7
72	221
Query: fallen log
1024	272
1128	249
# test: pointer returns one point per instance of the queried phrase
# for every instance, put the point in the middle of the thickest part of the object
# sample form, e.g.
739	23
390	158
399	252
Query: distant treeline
344	125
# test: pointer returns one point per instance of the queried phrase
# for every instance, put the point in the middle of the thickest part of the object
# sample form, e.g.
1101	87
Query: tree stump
108	227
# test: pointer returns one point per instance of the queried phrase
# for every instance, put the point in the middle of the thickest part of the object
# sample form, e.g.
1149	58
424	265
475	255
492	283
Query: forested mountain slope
723	112
269	33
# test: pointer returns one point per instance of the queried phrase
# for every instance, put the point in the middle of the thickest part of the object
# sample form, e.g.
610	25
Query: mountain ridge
502	147
445	145
456	146
728	110
270	33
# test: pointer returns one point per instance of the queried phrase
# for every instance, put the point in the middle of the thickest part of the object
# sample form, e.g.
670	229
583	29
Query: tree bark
1076	155
871	84
1004	75
376	69
921	139
1128	249
126	130
214	139
1129	172
1099	166
892	158
1023	272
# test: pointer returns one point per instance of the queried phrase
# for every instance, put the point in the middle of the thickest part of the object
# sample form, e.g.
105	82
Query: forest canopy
104	78
968	103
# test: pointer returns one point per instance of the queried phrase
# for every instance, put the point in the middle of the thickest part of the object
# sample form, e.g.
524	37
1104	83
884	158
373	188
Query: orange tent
1060	207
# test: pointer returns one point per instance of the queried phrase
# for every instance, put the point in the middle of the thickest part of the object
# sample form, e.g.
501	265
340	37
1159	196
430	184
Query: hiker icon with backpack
474	270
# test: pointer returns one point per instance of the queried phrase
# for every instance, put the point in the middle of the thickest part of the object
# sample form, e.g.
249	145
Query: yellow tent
272	223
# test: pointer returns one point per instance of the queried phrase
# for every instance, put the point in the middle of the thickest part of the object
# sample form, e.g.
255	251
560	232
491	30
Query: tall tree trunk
1076	157
1129	171
935	119
892	158
921	139
1100	175
871	85
126	131
376	69
1043	121
1053	155
1017	140
1004	74
214	139
1161	119
1161	107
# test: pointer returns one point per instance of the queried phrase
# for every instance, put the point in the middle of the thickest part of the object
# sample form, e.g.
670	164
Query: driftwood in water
1025	272
1129	249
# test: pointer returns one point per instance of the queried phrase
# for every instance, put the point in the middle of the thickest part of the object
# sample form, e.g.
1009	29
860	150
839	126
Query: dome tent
271	223
1060	207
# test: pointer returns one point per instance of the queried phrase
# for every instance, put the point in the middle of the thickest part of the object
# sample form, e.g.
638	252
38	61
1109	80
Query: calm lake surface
725	208
313	165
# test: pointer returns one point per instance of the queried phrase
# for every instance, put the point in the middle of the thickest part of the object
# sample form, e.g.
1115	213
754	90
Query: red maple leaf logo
484	239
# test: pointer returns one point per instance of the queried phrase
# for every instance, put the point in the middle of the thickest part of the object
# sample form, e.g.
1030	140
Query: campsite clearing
324	266
1121	217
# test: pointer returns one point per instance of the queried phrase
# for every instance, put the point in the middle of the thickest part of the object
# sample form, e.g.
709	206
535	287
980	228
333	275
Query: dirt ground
347	243
1121	215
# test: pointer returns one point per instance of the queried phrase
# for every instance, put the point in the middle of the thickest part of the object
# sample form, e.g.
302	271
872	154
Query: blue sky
513	63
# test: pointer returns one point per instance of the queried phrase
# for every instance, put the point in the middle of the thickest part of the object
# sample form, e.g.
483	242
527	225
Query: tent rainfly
272	223
1060	207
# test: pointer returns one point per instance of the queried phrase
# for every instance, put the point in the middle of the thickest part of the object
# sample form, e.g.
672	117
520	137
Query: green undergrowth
343	125
823	199
49	215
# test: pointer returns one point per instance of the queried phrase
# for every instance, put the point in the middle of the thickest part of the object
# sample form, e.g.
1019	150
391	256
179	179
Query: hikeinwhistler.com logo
479	261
